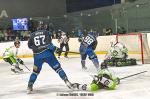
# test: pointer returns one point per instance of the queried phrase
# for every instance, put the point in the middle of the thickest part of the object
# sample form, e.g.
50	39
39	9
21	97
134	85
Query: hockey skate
19	69
30	88
75	86
83	65
84	68
80	87
66	56
14	71
69	84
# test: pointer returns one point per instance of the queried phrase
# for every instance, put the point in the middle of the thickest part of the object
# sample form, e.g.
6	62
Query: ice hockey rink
50	86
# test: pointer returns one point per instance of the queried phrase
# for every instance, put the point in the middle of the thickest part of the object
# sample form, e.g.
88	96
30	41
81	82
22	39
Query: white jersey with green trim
10	52
107	79
117	50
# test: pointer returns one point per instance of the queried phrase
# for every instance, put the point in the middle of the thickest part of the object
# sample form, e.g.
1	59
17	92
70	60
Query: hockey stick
26	67
132	75
23	64
118	79
72	52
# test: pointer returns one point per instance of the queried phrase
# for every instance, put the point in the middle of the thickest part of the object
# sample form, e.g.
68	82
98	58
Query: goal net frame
142	42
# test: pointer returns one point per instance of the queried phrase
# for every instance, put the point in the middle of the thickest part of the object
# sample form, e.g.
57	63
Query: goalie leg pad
126	62
110	62
121	62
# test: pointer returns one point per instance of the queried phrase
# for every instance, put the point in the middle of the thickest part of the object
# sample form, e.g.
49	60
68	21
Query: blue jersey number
38	40
88	40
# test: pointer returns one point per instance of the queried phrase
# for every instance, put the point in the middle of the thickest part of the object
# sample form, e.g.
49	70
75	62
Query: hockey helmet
17	44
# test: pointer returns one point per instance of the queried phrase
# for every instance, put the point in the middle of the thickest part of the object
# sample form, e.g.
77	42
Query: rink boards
102	47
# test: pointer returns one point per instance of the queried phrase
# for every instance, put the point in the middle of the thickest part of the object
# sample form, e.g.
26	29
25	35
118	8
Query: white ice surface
49	85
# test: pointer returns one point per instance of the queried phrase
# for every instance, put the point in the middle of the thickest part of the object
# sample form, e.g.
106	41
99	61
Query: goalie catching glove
57	50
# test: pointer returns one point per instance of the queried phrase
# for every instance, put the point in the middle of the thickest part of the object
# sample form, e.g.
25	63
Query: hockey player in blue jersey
43	49
87	47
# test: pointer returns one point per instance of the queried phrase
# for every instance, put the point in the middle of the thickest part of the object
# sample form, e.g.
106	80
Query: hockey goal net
137	45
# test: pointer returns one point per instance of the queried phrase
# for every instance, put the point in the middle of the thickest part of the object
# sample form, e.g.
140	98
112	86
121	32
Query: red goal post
137	45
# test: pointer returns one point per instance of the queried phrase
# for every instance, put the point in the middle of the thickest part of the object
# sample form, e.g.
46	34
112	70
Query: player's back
39	40
89	40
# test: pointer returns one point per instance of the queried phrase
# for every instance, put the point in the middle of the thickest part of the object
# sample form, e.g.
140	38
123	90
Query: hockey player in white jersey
117	50
10	56
118	55
104	79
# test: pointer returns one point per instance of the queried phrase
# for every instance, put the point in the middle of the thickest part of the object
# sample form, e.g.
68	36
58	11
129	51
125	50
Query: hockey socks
83	64
30	88
96	63
33	77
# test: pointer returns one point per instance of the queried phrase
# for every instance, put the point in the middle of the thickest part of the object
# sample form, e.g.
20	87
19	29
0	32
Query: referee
63	40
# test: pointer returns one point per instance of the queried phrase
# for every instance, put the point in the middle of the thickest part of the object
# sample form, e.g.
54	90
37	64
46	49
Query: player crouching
10	56
118	56
103	80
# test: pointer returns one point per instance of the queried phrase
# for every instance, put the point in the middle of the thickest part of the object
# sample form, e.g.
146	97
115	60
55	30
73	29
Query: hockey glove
53	48
80	39
57	50
117	80
20	61
104	65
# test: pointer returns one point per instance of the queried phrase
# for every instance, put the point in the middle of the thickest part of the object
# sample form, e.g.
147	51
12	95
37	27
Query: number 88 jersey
39	40
89	40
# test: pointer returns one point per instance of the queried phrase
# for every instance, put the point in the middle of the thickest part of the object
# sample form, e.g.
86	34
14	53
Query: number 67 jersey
39	40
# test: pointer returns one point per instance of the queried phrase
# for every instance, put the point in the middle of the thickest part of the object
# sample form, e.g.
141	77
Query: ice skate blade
29	91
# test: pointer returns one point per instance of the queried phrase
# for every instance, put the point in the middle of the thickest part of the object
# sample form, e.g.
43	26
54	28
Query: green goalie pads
121	62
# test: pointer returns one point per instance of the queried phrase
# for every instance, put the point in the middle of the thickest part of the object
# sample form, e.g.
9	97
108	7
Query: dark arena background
77	5
33	8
